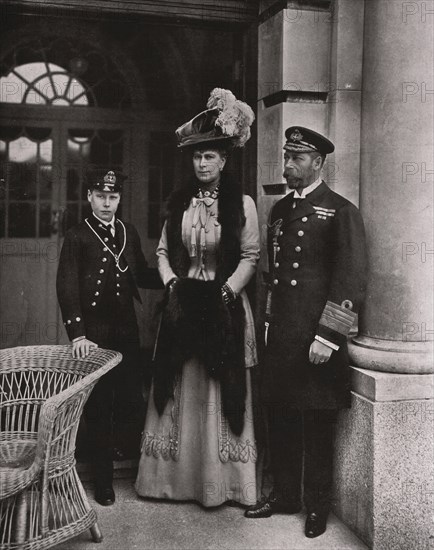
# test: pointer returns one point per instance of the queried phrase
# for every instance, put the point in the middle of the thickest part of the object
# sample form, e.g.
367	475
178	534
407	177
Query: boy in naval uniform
100	270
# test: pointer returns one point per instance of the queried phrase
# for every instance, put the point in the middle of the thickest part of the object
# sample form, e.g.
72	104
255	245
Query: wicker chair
42	394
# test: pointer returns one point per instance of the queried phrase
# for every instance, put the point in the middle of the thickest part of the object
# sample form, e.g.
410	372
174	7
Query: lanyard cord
115	256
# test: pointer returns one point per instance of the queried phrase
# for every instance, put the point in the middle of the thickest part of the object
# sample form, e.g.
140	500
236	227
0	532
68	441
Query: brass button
78	319
98	282
293	282
117	275
276	264
104	249
298	248
304	219
117	294
278	249
118	285
104	259
300	233
295	265
68	322
275	282
96	293
105	239
101	270
93	304
281	233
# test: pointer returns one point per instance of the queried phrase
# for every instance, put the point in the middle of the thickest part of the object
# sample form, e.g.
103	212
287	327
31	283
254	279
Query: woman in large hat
198	442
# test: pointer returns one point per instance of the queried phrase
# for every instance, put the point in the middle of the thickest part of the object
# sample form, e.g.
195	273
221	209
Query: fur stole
195	321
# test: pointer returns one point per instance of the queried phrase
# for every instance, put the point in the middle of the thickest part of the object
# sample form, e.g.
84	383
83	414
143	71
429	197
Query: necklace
201	194
117	257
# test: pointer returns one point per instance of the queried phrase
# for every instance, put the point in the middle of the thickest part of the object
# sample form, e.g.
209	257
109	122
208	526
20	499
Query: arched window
44	83
57	71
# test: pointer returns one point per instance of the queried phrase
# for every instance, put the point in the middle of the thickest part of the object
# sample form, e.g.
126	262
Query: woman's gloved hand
171	284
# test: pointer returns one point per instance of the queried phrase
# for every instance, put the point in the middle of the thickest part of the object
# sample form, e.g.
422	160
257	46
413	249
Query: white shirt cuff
327	343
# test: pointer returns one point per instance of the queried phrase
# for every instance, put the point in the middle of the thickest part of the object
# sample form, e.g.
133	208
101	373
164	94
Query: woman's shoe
265	508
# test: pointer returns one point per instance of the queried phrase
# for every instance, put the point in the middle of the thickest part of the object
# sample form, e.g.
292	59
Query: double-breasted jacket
317	279
98	278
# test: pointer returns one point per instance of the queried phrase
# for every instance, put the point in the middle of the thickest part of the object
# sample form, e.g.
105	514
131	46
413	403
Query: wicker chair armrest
110	360
51	412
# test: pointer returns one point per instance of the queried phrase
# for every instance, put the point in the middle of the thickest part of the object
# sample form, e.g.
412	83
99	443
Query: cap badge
296	135
110	178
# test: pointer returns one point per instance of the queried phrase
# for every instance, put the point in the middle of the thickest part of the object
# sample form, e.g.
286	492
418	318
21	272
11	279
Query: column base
392	356
384	454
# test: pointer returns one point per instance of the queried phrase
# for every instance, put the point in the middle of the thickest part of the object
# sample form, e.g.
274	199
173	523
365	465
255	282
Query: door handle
55	222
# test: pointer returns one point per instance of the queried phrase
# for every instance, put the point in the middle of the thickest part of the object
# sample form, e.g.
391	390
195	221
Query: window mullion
68	85
38	194
8	177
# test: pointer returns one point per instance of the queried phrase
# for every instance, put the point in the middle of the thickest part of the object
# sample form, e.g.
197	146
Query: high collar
111	223
306	206
306	190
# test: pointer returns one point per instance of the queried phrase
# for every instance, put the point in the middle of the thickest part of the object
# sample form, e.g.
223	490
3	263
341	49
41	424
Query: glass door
29	204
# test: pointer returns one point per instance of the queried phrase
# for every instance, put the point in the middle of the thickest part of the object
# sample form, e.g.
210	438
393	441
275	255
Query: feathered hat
226	119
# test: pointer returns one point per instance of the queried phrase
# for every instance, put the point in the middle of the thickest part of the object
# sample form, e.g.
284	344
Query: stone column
396	326
384	475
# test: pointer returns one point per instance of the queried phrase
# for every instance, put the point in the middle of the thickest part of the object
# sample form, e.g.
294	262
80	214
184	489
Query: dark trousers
115	404
301	449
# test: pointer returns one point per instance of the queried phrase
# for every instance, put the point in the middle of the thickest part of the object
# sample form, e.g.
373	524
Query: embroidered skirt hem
189	453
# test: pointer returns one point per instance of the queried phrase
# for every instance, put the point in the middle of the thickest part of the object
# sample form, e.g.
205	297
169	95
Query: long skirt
190	453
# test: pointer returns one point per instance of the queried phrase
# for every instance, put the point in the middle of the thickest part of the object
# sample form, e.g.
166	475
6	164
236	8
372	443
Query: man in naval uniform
317	265
100	269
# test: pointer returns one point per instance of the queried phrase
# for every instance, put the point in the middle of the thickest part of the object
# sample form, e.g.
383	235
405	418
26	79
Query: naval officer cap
303	140
107	181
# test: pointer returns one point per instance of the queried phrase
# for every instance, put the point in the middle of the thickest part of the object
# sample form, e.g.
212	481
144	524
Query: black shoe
316	524
267	507
105	495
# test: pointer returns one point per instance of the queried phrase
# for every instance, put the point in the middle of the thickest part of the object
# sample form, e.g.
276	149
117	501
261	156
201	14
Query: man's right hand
82	348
